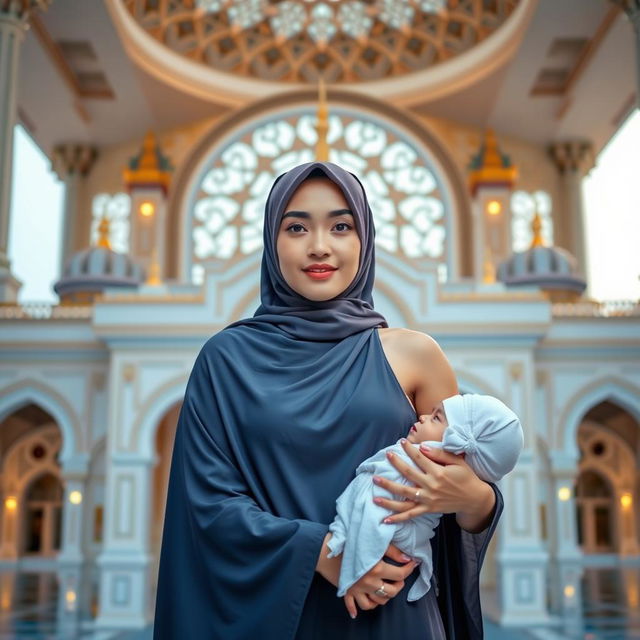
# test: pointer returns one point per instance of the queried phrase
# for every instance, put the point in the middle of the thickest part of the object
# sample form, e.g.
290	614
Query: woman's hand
446	484
363	593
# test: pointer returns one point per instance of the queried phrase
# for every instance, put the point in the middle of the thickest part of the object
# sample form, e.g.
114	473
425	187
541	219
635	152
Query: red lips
326	267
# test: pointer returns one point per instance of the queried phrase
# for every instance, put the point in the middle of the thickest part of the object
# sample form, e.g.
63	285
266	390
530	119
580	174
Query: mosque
471	124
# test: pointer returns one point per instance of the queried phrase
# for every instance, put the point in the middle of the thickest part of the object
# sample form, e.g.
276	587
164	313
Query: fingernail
390	454
403	440
388	521
405	557
376	479
353	616
377	500
425	448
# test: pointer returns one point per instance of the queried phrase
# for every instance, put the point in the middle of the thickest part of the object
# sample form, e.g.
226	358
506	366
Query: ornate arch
459	243
610	388
28	390
157	404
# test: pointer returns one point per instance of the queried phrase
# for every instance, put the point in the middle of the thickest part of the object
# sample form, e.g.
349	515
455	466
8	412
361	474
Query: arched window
406	187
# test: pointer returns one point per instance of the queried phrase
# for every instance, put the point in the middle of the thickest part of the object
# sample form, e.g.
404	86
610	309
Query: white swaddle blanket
482	427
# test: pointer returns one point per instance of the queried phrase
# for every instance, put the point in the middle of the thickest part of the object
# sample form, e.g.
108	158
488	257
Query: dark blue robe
261	453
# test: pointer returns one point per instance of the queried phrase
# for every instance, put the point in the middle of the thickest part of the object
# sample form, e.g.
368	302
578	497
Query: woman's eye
292	227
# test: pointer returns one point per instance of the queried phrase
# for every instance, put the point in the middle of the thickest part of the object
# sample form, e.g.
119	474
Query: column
632	9
13	25
125	560
72	162
628	540
71	557
74	475
10	519
573	159
520	555
566	563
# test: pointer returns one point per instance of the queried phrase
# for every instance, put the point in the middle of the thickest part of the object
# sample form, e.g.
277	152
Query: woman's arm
328	568
447	483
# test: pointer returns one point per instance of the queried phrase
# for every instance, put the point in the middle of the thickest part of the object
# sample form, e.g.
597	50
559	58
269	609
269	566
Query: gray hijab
327	320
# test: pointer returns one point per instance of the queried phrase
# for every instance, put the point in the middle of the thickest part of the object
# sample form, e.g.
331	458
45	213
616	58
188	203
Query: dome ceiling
296	41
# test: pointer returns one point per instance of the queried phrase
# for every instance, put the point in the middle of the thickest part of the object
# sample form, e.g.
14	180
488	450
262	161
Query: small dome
551	268
90	271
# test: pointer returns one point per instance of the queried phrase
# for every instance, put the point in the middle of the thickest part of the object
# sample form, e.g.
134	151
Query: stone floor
29	609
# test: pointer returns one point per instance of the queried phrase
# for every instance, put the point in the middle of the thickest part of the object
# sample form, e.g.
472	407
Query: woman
278	412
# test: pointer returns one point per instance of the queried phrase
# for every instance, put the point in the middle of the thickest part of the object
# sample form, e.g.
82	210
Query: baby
481	427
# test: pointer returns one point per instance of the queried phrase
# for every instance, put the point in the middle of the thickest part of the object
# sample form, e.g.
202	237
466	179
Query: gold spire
149	168
536	227
103	233
489	269
490	166
154	270
322	148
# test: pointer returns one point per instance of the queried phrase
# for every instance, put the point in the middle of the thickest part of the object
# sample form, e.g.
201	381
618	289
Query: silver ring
417	496
381	592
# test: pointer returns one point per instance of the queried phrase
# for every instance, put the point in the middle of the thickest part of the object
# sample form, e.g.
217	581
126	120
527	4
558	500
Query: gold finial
150	168
536	227
489	275
149	158
322	148
103	233
154	270
489	166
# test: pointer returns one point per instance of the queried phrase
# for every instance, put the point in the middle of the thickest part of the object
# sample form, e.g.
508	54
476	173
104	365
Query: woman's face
317	228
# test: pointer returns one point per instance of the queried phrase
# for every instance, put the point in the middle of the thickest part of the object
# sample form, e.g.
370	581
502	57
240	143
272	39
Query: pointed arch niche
164	439
30	484
607	483
417	195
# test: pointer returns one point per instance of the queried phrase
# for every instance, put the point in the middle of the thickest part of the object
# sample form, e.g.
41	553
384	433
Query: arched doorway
606	486
30	444
595	513
165	435
42	516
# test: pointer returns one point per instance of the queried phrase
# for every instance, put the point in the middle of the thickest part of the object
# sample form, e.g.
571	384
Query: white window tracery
406	192
523	208
117	207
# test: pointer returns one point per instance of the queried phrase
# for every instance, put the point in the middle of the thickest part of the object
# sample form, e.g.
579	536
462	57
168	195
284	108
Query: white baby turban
486	430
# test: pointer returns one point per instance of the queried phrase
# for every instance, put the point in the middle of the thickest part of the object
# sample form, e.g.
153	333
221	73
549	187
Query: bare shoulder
416	345
433	376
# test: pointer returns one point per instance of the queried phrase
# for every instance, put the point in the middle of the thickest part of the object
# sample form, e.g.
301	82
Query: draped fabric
278	412
300	317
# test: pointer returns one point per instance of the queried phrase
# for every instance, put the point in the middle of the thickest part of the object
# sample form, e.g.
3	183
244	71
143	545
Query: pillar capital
574	156
631	8
21	9
70	159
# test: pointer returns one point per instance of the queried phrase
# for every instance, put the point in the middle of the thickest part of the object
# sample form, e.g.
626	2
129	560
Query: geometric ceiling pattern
298	41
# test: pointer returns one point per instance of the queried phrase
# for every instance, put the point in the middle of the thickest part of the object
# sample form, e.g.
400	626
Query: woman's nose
318	246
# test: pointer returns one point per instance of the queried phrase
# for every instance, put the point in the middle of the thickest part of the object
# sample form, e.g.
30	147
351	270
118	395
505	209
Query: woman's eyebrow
307	215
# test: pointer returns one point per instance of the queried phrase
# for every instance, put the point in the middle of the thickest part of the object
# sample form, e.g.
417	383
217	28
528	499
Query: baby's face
430	426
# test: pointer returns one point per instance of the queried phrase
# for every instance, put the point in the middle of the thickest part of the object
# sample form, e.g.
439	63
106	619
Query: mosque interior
471	124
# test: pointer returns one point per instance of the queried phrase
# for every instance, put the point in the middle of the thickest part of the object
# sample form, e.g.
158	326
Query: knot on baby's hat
471	446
